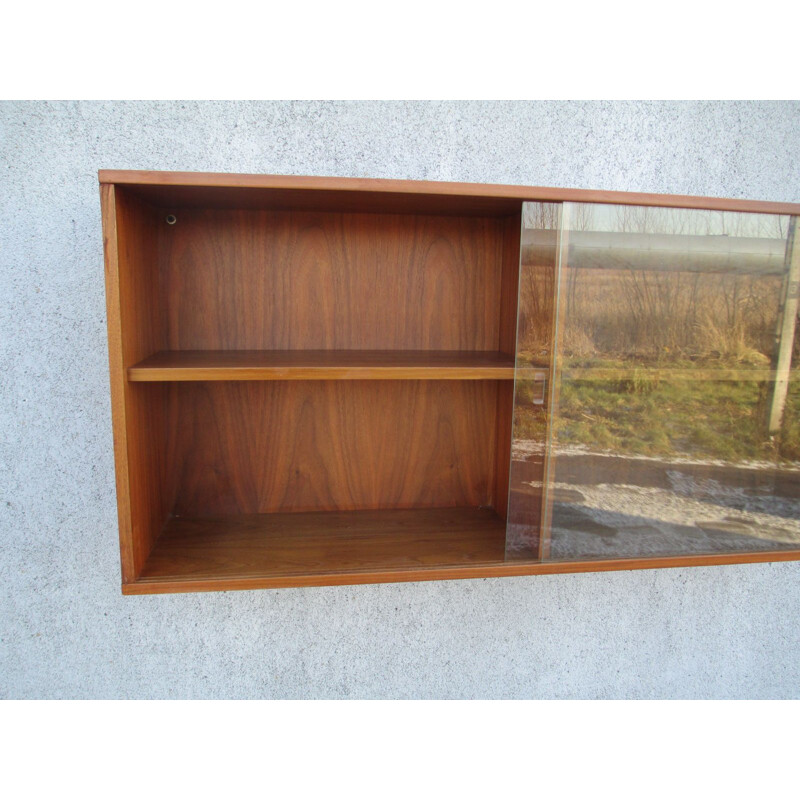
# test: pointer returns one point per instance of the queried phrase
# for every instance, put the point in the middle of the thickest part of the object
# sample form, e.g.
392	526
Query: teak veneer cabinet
319	380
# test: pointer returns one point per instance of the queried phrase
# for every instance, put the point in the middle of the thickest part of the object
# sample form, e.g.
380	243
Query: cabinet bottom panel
323	543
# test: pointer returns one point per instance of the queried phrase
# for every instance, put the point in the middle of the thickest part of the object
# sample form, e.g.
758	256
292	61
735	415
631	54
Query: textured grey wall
65	630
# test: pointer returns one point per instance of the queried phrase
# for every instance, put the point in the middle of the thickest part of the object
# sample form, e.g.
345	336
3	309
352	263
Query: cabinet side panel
257	447
142	409
117	379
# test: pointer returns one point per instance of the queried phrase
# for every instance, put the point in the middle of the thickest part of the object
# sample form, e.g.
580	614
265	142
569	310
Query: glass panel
674	414
541	226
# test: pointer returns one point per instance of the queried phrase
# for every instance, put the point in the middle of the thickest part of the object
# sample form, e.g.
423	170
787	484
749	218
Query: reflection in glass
541	226
673	421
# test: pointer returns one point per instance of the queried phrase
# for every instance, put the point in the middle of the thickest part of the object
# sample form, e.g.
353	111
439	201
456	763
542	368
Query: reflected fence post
784	344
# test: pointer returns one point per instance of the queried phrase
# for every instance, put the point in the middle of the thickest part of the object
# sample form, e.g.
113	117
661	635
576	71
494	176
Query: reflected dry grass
624	330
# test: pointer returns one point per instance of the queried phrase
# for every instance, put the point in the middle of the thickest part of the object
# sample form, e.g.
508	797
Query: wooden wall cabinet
322	380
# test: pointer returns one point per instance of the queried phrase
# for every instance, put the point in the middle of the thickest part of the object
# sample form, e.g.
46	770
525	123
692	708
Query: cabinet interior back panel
259	447
275	280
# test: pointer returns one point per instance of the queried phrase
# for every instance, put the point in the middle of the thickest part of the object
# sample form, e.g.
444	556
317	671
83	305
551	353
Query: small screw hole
171	219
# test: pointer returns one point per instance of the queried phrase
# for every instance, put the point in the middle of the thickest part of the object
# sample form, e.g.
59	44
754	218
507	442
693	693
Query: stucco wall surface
65	629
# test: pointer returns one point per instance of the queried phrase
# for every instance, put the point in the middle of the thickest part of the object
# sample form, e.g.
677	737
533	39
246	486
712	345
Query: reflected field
672	419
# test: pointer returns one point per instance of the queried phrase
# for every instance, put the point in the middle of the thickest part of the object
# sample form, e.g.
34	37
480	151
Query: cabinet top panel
210	189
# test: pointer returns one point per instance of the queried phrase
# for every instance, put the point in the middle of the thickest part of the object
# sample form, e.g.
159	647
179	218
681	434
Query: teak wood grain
276	545
420	191
135	329
117	379
250	280
251	447
508	569
278	365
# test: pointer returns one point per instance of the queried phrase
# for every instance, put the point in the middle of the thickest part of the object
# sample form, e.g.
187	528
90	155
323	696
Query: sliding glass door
657	401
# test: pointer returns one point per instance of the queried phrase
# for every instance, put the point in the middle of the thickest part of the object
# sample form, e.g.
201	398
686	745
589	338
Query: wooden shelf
276	365
295	549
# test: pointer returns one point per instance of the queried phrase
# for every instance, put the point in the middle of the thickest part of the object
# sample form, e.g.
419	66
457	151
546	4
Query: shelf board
278	365
289	549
